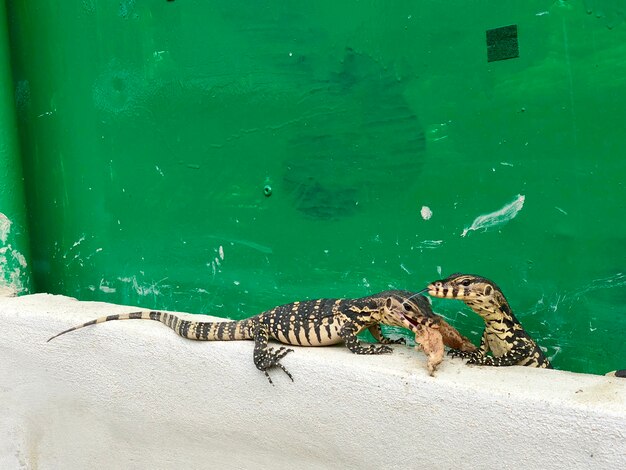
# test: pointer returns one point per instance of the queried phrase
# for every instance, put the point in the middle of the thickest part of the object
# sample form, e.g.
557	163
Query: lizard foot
272	359
374	349
464	354
385	340
475	361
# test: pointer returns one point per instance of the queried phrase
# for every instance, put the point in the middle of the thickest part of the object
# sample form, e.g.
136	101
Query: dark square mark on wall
502	43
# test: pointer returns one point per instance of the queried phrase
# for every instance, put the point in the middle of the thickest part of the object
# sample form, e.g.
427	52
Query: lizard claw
285	370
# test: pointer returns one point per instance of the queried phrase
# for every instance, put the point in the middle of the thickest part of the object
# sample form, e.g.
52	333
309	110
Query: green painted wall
150	129
15	274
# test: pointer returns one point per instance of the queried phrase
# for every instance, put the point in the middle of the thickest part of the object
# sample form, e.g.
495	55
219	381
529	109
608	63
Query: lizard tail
202	331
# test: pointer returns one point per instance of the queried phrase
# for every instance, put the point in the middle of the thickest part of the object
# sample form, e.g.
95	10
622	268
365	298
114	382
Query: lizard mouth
438	291
411	322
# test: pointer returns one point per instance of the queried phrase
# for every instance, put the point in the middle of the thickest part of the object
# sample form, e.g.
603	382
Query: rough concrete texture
132	394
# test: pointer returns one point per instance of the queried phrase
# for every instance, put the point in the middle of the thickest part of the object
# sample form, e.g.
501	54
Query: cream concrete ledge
134	395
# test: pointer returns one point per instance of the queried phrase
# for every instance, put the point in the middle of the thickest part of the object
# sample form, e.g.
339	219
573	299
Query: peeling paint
426	213
19	257
5	227
11	274
497	218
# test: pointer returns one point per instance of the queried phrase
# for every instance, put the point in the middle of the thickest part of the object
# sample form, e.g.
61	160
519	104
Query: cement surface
132	394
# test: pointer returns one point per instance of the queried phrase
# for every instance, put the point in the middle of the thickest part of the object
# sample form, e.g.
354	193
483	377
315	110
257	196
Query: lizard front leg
511	358
377	333
348	333
482	350
266	357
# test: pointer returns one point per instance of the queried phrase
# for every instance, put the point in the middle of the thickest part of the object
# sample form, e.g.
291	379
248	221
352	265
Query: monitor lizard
503	334
319	322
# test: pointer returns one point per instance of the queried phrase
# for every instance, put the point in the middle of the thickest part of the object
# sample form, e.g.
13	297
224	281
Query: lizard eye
465	282
407	307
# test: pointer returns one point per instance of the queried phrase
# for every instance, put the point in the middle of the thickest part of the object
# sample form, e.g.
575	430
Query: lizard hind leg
266	357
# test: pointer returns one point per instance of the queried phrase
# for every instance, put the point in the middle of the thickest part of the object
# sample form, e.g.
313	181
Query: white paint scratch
404	268
555	306
560	210
76	243
430	244
499	217
216	263
106	288
249	244
426	212
47	113
617	280
145	289
557	350
87	258
79	241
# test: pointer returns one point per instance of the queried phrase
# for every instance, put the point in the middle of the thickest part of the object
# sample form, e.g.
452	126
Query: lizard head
481	294
412	313
466	287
